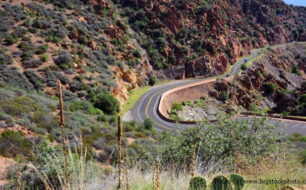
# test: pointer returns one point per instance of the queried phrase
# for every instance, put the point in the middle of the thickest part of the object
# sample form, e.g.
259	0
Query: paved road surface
146	106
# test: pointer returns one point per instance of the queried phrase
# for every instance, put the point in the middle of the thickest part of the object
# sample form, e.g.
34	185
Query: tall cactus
238	181
221	183
197	183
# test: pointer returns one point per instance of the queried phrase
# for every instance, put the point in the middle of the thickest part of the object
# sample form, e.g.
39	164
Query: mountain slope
201	37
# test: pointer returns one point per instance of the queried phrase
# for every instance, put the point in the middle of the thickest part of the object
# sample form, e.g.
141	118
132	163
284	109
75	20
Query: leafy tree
223	96
221	142
107	103
269	87
152	80
244	67
148	124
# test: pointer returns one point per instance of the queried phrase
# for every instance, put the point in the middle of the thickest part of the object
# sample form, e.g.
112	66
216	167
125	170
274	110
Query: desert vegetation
66	68
175	154
205	150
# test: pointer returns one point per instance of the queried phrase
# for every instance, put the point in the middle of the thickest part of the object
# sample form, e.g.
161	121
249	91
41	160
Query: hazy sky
296	2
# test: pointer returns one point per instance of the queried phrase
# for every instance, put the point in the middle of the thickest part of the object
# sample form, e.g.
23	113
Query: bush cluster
107	103
64	60
13	143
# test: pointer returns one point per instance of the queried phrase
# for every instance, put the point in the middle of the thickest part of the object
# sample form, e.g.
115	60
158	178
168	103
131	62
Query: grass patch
136	93
297	137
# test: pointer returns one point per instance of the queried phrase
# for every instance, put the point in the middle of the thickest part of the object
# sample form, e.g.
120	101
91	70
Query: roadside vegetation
136	93
134	96
64	65
175	159
205	108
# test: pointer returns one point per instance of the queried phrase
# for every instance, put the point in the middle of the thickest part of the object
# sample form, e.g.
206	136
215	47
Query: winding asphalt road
146	106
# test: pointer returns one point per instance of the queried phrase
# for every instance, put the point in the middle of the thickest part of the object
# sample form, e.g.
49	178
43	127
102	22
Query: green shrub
197	183
148	124
43	58
84	106
297	137
64	60
302	98
223	96
187	103
44	120
238	181
5	59
269	87
42	49
220	183
295	70
244	67
177	107
53	39
174	116
25	46
303	156
107	103
13	143
11	39
258	73
152	80
19	106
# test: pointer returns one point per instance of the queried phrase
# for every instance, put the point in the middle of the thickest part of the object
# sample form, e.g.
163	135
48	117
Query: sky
296	2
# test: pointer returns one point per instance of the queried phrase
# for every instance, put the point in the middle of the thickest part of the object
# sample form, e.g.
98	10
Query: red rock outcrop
275	68
205	37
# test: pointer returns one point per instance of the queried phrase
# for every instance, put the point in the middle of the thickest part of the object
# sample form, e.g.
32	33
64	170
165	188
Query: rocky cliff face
201	38
273	81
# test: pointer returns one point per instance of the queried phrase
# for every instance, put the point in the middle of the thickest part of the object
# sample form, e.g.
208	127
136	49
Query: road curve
147	105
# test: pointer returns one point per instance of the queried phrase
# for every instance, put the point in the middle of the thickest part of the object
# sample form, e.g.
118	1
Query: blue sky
296	2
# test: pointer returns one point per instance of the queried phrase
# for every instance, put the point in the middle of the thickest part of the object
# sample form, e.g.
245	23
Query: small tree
269	87
107	103
148	124
152	80
244	67
223	96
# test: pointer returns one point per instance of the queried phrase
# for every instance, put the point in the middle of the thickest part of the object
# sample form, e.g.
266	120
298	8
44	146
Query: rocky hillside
276	81
88	47
97	46
188	38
